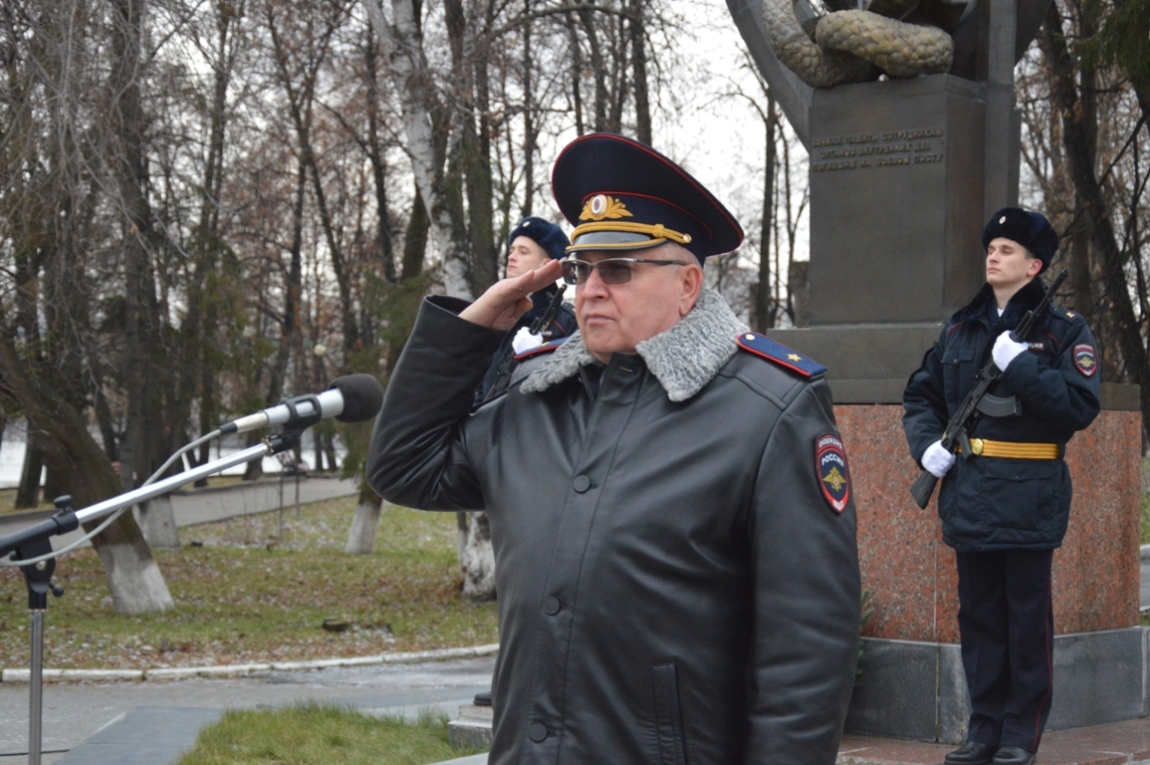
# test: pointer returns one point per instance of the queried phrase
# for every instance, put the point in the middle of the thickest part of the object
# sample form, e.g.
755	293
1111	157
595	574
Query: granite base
916	690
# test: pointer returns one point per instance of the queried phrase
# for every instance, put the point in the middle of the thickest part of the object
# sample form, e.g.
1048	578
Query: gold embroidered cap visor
623	195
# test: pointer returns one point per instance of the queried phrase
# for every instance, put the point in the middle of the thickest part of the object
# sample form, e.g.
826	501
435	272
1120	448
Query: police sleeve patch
1084	359
834	475
766	348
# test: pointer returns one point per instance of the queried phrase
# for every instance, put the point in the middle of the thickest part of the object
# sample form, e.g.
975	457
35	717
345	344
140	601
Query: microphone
353	398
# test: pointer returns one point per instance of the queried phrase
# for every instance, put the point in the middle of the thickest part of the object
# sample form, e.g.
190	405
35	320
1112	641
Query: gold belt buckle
976	446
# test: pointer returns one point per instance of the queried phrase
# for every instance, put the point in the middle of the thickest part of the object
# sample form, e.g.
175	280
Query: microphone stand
34	542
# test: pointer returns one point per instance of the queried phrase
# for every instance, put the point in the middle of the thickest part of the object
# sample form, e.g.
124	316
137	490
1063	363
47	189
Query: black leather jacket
673	585
990	503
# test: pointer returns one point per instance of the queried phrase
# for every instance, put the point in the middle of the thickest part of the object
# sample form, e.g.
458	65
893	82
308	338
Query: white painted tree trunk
365	523
476	556
134	579
158	523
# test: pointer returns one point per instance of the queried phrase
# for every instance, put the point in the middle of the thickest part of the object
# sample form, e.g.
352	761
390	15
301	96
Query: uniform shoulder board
545	348
1062	313
765	347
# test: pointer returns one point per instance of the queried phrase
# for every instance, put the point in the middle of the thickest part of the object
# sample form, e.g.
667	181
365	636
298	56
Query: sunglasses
611	270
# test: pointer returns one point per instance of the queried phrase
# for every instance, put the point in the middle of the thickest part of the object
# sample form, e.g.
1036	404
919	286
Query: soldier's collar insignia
833	473
602	206
765	347
1085	360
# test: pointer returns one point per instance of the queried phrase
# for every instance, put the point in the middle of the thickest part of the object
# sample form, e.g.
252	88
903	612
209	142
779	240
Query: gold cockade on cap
602	206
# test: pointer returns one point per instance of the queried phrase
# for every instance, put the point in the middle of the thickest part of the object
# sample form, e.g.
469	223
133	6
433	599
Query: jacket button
582	483
552	606
537	732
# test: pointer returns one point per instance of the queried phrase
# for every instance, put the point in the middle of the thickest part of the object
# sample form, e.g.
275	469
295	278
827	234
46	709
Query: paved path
151	722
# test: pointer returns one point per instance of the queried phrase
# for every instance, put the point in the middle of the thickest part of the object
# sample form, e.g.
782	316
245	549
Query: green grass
318	735
244	594
1145	528
8	503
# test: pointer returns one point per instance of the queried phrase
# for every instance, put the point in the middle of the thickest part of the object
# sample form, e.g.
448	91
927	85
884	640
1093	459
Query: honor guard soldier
669	499
1005	506
529	246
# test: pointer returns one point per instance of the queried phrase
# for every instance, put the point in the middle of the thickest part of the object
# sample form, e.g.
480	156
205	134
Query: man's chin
602	348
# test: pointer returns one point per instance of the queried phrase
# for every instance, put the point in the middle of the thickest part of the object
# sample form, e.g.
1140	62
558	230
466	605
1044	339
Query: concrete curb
14	675
1144	552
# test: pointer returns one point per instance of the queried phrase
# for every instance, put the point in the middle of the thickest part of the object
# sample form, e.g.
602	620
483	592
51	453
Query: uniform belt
983	447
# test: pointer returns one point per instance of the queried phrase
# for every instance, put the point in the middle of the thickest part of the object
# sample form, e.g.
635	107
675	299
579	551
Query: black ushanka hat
621	194
1030	229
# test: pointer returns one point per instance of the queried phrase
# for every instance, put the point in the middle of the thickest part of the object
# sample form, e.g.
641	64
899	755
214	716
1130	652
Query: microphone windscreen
362	397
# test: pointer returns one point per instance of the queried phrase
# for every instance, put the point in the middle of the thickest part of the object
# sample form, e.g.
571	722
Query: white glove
937	460
1006	350
525	341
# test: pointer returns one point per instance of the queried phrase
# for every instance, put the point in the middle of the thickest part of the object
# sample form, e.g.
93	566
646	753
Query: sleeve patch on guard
765	347
1084	359
834	475
545	348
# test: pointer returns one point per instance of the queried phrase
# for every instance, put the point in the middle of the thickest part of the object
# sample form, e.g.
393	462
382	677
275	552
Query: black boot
972	753
1013	755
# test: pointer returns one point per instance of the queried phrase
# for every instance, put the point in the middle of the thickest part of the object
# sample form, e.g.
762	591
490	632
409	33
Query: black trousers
1006	623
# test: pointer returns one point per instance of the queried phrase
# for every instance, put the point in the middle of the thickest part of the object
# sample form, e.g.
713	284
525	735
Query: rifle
539	326
979	402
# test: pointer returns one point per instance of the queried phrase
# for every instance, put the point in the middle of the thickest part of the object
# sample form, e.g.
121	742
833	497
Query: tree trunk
28	491
476	556
598	68
638	29
530	132
403	45
83	471
762	308
1097	214
576	73
415	239
383	237
365	523
142	449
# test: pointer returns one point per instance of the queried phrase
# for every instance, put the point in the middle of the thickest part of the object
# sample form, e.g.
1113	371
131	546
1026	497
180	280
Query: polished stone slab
917	689
911	573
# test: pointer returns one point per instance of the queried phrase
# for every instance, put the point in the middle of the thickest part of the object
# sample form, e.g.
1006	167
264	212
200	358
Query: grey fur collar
683	359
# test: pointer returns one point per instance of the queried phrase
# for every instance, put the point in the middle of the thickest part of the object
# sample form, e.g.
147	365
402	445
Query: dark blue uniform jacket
997	503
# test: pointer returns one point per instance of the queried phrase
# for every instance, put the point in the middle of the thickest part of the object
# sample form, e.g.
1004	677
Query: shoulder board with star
1062	313
765	347
545	348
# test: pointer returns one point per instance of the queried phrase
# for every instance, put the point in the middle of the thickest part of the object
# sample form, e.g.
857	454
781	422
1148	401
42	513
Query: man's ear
1034	267
692	285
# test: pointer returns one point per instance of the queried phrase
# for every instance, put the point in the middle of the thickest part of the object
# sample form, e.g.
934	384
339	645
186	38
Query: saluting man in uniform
669	499
1005	507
